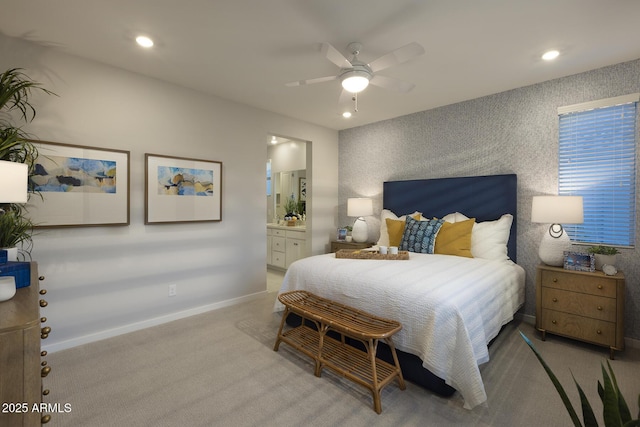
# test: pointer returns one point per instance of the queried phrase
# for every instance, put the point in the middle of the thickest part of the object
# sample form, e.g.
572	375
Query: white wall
103	281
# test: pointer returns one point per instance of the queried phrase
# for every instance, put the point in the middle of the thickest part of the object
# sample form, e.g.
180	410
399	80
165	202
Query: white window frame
609	198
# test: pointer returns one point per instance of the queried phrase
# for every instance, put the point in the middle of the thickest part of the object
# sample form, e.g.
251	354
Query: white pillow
455	217
489	238
384	232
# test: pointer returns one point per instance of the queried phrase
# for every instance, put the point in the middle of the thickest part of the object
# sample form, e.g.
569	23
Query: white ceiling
246	50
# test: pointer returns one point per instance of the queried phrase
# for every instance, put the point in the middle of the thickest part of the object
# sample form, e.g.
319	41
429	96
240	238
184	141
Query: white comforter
450	307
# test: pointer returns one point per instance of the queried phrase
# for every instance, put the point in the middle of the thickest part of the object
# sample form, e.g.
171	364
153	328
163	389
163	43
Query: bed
451	304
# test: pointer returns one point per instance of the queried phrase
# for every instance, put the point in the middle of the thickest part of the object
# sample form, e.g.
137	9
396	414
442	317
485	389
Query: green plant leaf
610	411
588	416
556	383
625	413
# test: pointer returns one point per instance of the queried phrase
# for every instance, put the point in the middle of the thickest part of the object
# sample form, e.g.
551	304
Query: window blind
597	160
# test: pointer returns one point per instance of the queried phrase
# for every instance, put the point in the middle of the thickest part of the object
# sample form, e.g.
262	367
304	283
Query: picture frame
302	189
181	189
79	186
342	234
579	261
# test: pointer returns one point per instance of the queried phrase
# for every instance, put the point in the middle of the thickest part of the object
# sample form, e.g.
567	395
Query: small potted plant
16	232
605	255
349	229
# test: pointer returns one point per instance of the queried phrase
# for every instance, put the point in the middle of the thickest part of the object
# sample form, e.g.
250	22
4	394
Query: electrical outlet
172	290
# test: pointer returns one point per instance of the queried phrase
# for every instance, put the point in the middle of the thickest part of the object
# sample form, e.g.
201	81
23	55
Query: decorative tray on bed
364	254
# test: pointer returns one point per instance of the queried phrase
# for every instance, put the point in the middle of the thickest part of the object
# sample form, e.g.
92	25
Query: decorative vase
12	253
602	259
7	288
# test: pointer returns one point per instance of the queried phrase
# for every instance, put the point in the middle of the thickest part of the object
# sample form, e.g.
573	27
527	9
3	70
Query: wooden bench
363	368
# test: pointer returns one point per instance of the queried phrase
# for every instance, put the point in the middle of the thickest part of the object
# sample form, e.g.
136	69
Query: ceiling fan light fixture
355	81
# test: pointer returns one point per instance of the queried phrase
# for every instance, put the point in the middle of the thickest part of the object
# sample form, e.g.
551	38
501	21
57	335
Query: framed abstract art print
79	186
180	189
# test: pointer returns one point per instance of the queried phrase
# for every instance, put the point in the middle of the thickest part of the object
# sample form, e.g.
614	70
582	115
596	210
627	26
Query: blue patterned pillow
420	236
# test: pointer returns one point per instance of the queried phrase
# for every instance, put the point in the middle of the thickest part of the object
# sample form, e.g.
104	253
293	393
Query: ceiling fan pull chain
355	102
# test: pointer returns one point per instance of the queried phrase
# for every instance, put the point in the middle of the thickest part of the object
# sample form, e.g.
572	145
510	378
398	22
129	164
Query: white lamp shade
13	182
557	210
359	206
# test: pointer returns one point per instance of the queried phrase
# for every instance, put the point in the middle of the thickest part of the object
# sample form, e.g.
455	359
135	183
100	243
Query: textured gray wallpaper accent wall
509	132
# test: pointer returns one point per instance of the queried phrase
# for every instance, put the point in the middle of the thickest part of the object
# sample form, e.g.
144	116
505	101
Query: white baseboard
109	333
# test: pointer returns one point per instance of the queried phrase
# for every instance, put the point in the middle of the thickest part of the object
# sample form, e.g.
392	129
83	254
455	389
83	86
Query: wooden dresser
21	367
581	305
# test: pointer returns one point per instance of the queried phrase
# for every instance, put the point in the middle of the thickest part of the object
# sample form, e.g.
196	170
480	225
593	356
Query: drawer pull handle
599	332
43	291
46	330
43	319
599	286
599	308
45	392
554	322
43	303
555	300
45	419
43	353
555	280
41	278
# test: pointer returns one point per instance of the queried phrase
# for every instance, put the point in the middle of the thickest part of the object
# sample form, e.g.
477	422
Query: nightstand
581	305
336	246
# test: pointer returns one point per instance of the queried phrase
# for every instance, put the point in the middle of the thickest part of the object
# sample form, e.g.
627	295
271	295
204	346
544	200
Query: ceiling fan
355	75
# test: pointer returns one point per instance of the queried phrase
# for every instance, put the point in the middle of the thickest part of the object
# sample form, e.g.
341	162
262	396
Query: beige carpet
219	369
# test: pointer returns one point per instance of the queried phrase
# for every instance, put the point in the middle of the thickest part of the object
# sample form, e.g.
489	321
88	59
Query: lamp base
552	249
360	231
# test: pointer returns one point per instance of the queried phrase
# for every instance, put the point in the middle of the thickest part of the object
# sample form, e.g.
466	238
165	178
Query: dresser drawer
278	232
278	244
584	283
278	259
596	307
583	328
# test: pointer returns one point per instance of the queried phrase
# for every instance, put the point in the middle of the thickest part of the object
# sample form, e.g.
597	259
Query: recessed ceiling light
144	41
552	54
274	140
346	114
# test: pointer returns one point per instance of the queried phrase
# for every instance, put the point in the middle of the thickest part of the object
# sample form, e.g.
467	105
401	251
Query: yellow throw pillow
395	229
455	238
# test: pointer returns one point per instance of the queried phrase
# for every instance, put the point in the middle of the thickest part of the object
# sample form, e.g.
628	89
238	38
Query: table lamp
556	210
359	207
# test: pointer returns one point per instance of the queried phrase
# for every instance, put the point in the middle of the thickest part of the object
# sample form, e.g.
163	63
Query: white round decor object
609	270
7	288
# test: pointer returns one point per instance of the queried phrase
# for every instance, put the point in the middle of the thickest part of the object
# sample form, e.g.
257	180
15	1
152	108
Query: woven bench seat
363	368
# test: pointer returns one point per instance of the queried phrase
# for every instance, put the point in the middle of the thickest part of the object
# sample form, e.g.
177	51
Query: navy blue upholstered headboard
485	198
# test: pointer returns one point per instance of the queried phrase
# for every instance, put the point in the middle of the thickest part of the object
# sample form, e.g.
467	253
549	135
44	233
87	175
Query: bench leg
279	337
401	383
322	331
372	347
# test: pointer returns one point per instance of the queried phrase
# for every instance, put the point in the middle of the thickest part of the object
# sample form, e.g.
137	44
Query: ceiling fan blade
311	81
393	84
335	56
398	56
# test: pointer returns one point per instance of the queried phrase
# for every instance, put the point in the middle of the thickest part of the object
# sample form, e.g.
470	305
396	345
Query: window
597	160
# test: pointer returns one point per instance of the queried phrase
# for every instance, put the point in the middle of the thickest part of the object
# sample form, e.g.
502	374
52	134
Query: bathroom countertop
287	227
